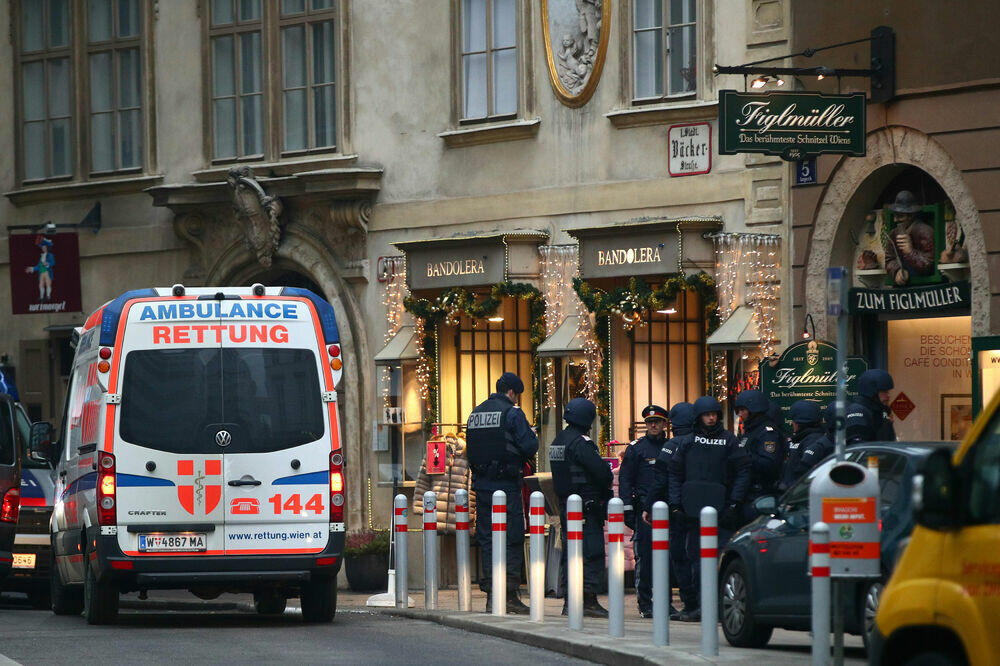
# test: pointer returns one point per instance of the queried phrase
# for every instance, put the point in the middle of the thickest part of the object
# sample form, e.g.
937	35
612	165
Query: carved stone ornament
257	212
576	43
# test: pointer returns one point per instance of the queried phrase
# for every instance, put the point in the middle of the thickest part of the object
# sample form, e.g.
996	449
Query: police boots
591	607
514	604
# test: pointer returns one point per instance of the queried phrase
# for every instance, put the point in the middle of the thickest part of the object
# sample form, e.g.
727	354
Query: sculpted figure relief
576	54
257	213
909	246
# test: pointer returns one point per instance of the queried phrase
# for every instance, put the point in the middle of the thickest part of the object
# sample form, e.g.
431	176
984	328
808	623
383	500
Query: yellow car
942	605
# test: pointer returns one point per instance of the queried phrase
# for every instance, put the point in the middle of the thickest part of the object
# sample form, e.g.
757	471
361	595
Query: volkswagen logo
223	438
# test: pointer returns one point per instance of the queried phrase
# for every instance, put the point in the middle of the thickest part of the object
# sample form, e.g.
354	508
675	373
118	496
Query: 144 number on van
293	503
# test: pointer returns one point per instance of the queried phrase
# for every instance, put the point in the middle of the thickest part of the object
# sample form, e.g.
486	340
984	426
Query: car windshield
176	400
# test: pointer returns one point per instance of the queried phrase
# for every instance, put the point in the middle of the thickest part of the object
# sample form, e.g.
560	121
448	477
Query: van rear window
6	435
176	400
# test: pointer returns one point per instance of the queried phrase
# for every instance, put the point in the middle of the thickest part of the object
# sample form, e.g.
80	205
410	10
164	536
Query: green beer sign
793	125
807	370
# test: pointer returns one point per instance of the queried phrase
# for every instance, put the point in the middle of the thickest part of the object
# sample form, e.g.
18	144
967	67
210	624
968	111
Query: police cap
654	412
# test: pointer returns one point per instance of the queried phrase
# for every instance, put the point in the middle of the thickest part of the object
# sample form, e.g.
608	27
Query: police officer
766	446
868	418
577	468
809	443
709	469
682	429
635	480
499	441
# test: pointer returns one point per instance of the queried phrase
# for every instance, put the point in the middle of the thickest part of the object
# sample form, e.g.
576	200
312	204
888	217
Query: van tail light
336	487
11	505
107	512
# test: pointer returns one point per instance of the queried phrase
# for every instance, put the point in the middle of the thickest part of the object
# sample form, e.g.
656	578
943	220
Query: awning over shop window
565	341
739	330
402	347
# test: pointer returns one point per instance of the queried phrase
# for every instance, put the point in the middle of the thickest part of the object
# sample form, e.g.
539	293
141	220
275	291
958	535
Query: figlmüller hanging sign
793	125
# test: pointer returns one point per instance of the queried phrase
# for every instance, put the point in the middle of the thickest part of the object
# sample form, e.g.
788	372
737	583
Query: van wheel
66	599
319	599
738	623
870	598
269	603
100	599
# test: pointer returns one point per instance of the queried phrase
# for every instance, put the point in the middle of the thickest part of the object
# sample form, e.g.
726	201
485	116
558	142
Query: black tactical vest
486	436
567	476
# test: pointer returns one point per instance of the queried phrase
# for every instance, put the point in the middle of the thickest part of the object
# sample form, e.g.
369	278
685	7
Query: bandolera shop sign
792	125
807	370
947	296
619	254
455	264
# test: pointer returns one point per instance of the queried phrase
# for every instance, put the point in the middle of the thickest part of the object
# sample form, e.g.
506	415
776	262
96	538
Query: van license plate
159	543
24	561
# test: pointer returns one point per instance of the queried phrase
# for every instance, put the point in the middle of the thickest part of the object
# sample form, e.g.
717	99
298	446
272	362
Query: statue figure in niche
578	52
909	245
954	251
870	249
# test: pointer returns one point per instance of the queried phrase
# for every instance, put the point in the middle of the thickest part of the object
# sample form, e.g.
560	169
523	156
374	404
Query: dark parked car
10	483
32	552
764	583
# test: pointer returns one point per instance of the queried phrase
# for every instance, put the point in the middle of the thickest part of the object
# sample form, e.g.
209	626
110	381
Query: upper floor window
273	77
664	49
80	87
489	59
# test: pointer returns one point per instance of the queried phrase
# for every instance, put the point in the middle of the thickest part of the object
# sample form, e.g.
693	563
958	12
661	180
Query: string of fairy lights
392	300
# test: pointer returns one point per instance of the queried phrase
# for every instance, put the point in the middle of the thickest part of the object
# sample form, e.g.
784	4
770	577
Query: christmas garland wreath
459	301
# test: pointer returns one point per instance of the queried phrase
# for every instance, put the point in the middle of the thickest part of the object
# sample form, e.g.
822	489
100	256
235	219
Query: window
489	59
98	126
984	484
114	27
46	90
273	78
664	49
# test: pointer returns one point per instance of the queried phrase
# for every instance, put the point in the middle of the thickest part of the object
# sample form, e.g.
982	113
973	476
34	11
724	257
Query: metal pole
841	398
462	549
709	582
430	551
820	556
536	578
399	517
498	590
574	561
661	574
838	624
616	568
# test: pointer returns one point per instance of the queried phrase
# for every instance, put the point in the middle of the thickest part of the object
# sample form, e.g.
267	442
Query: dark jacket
766	447
868	420
807	447
637	473
594	482
708	468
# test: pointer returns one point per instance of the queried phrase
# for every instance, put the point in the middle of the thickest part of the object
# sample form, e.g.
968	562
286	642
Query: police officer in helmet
765	445
709	469
682	429
499	441
635	479
868	417
577	468
809	443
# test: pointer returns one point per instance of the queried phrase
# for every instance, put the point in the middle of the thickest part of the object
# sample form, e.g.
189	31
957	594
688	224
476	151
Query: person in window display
909	245
499	441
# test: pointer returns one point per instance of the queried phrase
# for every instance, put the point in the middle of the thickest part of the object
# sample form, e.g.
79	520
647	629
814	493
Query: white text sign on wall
689	149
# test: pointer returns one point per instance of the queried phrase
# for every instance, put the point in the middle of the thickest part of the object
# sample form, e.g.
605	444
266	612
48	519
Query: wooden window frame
702	13
78	53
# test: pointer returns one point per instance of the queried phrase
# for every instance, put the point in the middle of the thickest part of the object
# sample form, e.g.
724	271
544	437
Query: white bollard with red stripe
661	574
574	561
819	555
616	568
399	522
536	573
709	582
498	589
430	551
462	549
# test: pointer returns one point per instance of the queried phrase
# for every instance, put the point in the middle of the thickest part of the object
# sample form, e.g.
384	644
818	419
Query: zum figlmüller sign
793	125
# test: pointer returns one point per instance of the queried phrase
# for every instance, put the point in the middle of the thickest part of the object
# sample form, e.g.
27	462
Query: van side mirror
935	492
41	448
766	505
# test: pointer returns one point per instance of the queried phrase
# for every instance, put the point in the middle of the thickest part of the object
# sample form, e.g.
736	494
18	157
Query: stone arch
889	146
305	253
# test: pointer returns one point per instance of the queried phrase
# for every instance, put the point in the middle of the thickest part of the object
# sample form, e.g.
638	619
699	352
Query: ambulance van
200	449
942	604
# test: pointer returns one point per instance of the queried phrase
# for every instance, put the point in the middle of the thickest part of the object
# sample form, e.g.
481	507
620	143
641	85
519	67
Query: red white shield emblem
204	494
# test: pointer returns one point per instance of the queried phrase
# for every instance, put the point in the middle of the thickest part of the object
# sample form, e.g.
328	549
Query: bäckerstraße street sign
793	125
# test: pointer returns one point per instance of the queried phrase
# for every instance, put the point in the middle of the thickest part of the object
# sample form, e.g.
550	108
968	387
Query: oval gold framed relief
576	36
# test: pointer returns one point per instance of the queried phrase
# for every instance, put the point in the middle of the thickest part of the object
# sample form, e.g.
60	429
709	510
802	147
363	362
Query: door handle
244	482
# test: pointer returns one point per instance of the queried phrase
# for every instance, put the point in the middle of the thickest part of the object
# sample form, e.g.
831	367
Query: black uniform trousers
593	548
680	564
515	531
642	548
692	548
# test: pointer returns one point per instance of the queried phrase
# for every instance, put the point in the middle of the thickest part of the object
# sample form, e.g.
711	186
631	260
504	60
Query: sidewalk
594	644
